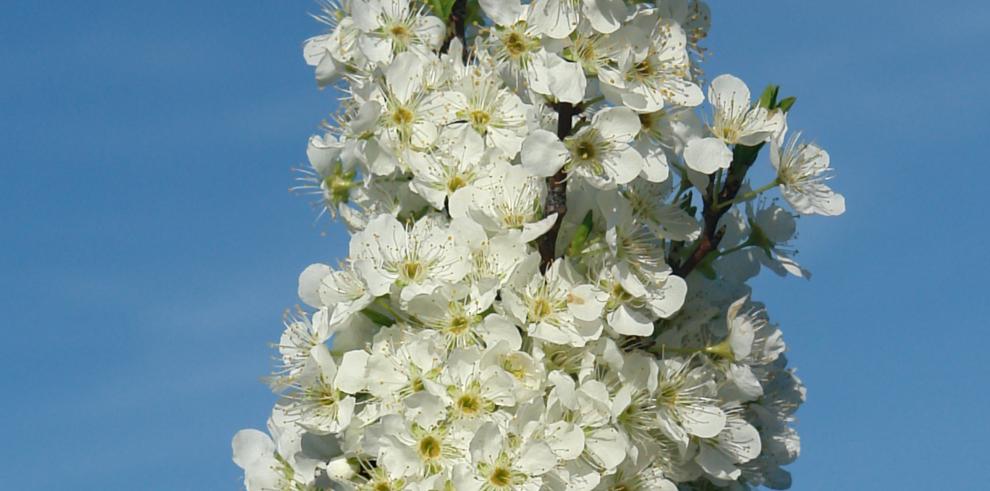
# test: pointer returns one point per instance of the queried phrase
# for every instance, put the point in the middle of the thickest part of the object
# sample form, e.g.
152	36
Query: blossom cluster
480	335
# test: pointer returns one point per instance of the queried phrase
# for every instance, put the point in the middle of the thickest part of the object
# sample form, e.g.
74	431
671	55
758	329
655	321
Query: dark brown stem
711	235
556	190
457	27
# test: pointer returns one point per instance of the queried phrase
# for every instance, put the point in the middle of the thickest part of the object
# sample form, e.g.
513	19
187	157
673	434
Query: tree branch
742	159
556	201
457	27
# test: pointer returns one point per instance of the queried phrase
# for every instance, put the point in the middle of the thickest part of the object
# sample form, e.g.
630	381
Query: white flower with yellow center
331	53
472	392
600	152
687	401
528	375
648	203
554	306
736	120
482	103
346	291
264	468
300	337
416	260
417	451
803	171
391	27
401	365
508	197
739	442
500	462
322	401
647	80
458	160
461	320
410	115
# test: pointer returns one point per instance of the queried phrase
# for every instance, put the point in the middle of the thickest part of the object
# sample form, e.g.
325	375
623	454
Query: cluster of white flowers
550	238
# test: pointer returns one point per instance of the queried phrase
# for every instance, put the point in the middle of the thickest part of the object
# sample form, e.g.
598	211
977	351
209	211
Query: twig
556	201
711	235
457	27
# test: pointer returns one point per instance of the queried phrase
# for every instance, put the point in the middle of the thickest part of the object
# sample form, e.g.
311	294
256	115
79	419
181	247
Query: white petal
543	153
555	18
403	75
249	446
707	155
309	284
716	464
533	230
536	458
609	445
623	164
605	16
567	80
502	12
617	124
585	302
730	93
705	422
352	374
630	322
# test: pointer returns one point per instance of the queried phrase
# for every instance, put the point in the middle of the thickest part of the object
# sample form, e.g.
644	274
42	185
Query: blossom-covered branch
551	234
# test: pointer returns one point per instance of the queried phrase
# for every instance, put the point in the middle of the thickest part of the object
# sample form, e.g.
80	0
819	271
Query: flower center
459	325
479	120
412	270
429	448
455	183
402	116
541	309
500	477
515	44
644	69
729	134
399	32
585	150
469	404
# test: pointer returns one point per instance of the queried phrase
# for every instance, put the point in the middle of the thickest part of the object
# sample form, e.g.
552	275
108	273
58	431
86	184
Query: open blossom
509	198
390	27
546	280
416	261
736	121
553	307
648	80
599	152
802	170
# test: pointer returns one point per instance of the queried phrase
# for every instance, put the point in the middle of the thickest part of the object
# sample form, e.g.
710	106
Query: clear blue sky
149	244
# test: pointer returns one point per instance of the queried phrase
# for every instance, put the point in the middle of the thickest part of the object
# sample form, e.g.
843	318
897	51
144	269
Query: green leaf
474	13
786	104
441	8
768	99
377	317
581	236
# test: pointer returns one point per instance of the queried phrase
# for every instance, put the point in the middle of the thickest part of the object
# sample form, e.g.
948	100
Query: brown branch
457	27
556	201
711	235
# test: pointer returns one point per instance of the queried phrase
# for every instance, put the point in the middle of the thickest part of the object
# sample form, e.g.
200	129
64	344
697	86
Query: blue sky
149	244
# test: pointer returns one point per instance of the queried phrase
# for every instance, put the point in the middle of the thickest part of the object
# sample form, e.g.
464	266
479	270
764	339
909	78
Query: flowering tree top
552	230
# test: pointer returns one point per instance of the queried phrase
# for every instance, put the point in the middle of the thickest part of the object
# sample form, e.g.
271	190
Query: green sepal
441	8
786	104
768	100
378	317
581	235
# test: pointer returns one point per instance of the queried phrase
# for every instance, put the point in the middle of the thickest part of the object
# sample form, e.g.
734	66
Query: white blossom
802	170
